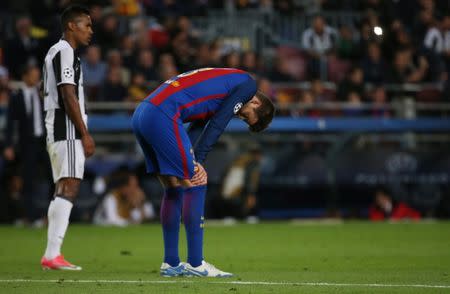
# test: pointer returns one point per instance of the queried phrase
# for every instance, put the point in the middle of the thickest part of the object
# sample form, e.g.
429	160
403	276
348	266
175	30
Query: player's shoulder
60	46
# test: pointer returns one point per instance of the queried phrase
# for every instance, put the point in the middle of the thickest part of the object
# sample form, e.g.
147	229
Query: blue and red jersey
208	98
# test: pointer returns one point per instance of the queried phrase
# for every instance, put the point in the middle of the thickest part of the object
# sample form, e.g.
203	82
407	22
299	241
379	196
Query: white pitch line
326	284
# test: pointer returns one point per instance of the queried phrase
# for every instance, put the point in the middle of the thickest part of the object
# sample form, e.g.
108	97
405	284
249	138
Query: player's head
76	21
258	112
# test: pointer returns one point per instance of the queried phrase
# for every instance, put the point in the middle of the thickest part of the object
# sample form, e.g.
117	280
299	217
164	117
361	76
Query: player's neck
69	39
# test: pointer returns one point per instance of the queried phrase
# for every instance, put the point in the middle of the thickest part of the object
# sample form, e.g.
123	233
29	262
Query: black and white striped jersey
61	66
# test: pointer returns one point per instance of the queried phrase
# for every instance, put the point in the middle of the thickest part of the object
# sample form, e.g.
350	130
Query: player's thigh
175	152
169	141
67	159
151	161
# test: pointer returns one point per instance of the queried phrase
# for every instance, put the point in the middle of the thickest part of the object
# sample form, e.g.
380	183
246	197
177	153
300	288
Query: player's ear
255	101
71	26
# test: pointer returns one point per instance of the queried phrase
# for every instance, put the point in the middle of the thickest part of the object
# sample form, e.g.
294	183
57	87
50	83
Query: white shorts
67	159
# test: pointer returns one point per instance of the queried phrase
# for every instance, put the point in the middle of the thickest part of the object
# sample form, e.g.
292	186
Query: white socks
58	220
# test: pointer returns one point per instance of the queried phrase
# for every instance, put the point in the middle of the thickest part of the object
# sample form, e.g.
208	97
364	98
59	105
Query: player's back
197	94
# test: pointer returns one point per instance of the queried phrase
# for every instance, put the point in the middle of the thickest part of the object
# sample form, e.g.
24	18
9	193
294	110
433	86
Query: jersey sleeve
63	63
240	95
195	130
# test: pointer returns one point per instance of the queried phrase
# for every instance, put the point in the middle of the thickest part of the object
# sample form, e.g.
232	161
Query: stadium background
362	125
362	112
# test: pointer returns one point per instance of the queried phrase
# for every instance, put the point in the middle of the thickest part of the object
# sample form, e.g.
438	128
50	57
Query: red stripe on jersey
197	101
177	131
190	80
201	116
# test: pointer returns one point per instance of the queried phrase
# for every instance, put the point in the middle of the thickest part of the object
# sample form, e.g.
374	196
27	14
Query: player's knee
169	181
186	183
68	188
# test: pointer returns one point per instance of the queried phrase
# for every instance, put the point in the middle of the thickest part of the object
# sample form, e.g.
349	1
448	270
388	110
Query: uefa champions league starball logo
237	107
68	72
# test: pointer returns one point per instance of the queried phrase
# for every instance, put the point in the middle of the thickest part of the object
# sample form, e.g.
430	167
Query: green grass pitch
353	257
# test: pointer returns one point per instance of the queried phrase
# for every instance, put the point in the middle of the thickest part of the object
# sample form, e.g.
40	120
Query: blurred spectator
318	41
366	36
160	34
127	48
308	101
423	23
434	37
385	208
404	70
126	7
319	92
25	111
202	57
184	25
352	84
353	107
124	204
4	77
113	89
232	60
166	59
285	7
137	89
23	49
373	64
167	72
215	54
94	71
4	98
114	59
4	73
379	99
347	48
182	51
12	206
437	39
249	62
145	64
240	186
280	72
96	14
107	35
265	86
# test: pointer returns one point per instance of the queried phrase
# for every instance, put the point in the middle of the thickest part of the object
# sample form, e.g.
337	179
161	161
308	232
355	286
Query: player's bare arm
73	111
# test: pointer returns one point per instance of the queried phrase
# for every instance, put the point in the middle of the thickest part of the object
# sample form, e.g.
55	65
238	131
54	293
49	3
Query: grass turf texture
349	253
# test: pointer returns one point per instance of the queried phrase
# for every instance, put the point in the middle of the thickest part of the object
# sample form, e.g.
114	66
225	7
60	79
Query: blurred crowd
140	43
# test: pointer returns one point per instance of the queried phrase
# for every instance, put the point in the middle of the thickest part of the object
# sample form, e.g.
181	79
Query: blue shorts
165	143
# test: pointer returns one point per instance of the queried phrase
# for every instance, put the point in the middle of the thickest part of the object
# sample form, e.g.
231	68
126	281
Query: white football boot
204	270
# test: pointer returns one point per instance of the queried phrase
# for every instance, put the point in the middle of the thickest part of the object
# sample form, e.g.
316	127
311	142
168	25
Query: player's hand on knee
88	145
200	177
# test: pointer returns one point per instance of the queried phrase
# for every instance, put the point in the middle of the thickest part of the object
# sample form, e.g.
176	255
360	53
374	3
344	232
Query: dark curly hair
265	113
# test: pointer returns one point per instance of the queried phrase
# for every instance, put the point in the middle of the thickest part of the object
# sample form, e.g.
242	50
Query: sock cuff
63	199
